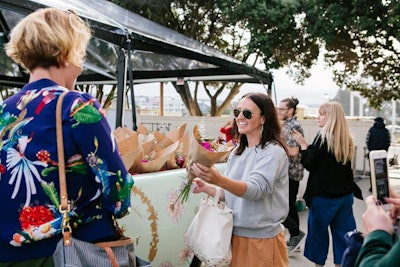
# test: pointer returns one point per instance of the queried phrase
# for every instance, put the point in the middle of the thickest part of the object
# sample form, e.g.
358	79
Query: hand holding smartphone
379	175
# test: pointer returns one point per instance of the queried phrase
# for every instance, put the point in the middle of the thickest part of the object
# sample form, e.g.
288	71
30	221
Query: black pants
292	220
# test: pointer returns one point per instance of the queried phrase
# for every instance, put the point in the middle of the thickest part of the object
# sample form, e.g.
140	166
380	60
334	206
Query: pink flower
206	145
175	209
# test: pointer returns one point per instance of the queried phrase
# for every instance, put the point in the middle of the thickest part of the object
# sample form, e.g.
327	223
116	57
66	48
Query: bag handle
65	207
217	194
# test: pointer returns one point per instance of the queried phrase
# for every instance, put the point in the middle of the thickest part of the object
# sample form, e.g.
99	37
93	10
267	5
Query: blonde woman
50	44
329	192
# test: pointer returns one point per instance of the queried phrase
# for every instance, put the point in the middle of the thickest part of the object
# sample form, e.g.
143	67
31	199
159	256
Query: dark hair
291	103
271	127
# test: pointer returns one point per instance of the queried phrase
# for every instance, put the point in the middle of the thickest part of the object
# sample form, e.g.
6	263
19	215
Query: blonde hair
336	132
49	37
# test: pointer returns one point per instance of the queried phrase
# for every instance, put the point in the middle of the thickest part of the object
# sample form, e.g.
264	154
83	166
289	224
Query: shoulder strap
64	205
60	153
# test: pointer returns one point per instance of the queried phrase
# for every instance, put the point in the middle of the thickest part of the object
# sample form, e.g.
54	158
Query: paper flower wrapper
127	140
179	159
158	163
200	154
144	151
128	145
204	152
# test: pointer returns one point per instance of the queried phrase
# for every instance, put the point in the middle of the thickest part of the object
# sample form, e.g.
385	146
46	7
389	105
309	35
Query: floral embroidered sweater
98	184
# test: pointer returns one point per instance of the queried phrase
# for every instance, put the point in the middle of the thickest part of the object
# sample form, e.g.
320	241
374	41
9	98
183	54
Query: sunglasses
246	113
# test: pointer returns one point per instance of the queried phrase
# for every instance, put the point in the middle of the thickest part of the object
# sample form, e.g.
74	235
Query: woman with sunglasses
329	192
255	185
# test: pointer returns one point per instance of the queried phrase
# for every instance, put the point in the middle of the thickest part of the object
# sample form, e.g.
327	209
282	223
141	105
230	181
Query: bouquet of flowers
156	149
144	151
128	145
205	151
153	157
178	159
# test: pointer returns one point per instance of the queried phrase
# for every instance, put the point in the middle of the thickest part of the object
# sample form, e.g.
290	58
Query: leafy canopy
360	37
202	21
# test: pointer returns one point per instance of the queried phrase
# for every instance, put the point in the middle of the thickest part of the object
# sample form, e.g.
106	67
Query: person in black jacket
329	191
378	136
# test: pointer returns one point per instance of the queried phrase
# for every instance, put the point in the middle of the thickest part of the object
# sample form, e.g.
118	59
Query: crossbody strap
64	204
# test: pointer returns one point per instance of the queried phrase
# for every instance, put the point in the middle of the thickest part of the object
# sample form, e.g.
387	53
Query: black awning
157	52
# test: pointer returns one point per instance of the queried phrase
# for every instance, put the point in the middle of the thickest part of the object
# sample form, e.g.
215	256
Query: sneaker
288	244
295	242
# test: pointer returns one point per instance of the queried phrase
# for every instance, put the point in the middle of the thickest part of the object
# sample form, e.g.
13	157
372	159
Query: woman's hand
208	174
300	139
376	218
200	186
394	199
203	187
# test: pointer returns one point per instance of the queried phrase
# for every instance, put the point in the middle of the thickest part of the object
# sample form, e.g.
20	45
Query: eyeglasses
246	113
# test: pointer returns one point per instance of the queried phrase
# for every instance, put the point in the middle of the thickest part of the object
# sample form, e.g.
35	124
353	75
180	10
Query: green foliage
360	37
276	32
204	22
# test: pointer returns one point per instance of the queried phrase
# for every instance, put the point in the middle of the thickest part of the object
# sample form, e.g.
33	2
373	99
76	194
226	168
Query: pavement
297	259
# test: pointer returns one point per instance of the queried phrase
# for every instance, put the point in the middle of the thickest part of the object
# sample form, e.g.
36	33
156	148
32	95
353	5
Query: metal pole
120	87
130	73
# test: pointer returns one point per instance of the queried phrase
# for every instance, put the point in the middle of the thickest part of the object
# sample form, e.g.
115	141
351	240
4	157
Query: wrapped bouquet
205	151
143	151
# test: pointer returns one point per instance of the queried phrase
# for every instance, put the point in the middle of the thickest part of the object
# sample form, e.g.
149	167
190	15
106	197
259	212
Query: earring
261	130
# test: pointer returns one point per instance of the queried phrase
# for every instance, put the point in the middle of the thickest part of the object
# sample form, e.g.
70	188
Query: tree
360	37
202	21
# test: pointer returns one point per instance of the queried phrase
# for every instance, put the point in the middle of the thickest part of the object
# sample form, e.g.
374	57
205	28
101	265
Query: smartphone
379	174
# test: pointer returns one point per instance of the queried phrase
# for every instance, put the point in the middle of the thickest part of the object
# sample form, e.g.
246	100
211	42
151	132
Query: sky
316	89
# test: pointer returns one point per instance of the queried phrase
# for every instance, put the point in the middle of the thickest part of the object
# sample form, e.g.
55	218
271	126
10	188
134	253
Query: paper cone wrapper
152	147
130	157
142	130
162	140
145	138
127	140
199	154
177	134
122	133
184	145
157	164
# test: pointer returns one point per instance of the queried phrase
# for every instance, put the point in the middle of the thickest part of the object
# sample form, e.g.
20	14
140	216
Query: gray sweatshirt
259	212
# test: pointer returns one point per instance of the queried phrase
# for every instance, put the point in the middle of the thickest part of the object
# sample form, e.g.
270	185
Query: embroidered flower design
34	216
43	155
2	168
22	169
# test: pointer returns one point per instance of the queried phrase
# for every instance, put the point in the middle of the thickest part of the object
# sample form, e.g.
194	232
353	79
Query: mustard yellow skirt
255	252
